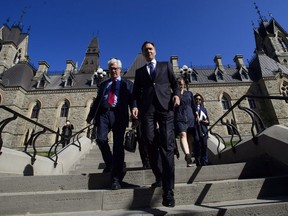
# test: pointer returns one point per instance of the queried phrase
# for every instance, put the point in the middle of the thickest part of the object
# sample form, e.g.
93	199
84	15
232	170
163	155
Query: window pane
36	110
64	110
225	103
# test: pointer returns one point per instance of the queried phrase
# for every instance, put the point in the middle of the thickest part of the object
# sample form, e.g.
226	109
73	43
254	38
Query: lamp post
99	74
185	72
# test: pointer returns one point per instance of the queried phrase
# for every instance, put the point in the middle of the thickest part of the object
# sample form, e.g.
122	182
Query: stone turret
13	46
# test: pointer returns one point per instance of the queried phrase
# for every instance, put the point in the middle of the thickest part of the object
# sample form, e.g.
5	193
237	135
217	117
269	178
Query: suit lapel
157	69
146	73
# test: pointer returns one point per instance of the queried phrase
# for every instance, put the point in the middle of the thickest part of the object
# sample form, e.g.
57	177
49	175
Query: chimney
174	62
238	59
70	67
43	68
218	62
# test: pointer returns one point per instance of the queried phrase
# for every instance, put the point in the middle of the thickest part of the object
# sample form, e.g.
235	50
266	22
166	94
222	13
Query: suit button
154	83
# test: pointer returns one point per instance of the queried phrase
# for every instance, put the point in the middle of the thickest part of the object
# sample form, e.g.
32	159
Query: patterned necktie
111	96
152	70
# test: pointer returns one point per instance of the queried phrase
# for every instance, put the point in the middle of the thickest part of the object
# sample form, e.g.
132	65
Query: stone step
133	176
93	162
196	193
248	207
97	166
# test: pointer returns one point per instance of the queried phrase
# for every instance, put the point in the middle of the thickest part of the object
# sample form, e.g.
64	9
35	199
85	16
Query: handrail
30	140
255	117
75	137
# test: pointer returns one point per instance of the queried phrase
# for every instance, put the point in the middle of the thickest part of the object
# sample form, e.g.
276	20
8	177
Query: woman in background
201	133
184	118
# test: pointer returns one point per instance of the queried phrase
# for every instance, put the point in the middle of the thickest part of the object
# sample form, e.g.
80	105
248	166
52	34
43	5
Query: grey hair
115	61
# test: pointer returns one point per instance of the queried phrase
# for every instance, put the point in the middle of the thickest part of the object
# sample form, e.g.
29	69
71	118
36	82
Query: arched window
282	43
69	81
244	75
251	103
41	83
94	80
225	103
36	110
65	109
194	76
16	58
219	76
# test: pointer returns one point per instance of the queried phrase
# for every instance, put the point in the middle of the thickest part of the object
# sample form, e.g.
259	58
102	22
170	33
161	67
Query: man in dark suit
201	133
110	112
156	91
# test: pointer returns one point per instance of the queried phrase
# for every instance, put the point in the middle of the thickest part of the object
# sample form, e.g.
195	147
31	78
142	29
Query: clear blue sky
194	30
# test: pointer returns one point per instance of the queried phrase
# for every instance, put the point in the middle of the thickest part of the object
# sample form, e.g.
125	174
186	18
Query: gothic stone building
50	98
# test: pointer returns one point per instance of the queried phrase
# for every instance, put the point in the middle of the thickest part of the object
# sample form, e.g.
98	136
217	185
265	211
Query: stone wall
272	112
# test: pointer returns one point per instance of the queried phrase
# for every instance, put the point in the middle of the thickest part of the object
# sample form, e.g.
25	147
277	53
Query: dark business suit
155	105
115	119
200	140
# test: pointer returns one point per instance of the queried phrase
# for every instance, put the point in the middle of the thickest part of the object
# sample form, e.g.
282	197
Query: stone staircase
250	188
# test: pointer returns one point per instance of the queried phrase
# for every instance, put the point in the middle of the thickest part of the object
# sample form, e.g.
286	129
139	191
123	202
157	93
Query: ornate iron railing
257	124
31	138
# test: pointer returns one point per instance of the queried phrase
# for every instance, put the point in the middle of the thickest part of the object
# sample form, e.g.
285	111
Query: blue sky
194	30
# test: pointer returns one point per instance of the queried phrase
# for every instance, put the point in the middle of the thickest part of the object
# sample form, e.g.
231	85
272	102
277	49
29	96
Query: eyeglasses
114	68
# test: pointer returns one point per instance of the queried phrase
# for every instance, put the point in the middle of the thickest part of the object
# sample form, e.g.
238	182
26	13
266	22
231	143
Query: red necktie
111	96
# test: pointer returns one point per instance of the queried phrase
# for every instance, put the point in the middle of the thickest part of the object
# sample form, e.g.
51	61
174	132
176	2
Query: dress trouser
143	150
107	121
161	154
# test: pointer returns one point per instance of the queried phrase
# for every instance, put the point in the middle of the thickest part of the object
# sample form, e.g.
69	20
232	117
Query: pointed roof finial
7	21
21	17
262	19
29	29
270	14
258	11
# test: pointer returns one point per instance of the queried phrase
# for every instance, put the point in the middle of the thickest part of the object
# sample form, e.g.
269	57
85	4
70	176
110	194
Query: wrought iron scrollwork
2	126
31	142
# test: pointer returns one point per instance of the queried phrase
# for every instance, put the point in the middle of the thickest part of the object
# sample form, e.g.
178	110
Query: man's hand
135	113
176	101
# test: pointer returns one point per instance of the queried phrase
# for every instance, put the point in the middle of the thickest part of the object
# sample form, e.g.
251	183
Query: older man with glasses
110	111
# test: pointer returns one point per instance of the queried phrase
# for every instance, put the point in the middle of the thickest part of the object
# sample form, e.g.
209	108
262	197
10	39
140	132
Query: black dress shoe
115	185
168	199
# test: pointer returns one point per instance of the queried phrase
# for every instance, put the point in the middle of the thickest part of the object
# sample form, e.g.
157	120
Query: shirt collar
117	79
153	61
